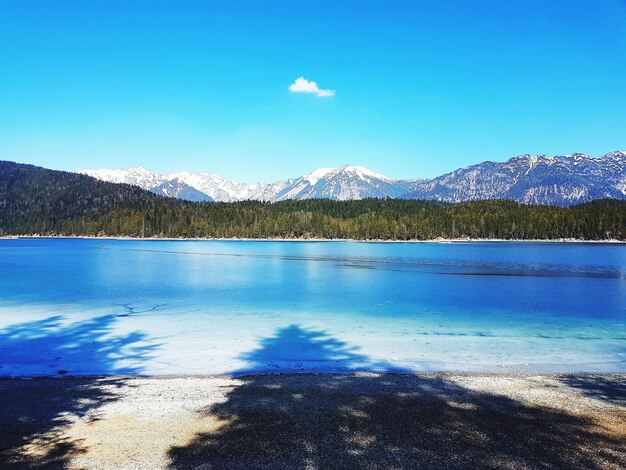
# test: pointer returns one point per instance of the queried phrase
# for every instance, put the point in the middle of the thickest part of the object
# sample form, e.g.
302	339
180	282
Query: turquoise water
185	307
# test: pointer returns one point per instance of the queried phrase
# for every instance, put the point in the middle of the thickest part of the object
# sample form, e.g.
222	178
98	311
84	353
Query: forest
362	220
38	201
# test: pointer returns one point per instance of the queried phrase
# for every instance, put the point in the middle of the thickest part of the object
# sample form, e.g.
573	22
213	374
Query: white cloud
324	93
302	85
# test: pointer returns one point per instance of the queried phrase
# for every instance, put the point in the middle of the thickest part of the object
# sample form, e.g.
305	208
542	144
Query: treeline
363	220
39	201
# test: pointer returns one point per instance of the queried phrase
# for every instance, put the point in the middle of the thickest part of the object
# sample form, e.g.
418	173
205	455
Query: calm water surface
187	307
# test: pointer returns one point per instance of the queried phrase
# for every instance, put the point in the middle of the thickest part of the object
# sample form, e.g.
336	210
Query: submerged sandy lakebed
315	421
120	307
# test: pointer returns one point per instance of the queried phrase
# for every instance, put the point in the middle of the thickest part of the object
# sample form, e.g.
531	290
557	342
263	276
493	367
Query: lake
159	307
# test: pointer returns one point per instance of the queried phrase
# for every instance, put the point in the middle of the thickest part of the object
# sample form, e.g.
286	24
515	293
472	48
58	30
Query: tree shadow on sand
34	413
607	388
363	420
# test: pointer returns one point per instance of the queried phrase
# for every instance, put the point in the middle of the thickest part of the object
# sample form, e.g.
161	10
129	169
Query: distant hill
38	200
530	179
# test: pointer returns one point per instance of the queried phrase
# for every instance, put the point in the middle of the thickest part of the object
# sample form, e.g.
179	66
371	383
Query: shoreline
321	240
315	421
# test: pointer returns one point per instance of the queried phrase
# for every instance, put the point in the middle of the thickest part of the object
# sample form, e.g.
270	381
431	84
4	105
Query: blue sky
420	88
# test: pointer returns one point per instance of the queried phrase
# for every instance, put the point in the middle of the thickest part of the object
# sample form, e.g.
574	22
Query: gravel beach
313	421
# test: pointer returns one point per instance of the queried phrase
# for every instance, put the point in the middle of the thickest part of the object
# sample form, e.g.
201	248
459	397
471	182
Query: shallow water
194	307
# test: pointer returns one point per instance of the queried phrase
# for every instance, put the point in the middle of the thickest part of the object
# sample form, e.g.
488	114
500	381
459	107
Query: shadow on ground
382	421
607	388
34	413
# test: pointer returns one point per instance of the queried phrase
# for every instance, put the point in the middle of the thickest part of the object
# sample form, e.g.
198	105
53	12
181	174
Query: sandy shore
315	421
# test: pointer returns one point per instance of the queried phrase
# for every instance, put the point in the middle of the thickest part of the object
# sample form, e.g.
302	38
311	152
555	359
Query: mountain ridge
531	179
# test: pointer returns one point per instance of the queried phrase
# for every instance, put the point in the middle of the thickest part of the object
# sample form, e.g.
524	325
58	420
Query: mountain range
531	179
40	201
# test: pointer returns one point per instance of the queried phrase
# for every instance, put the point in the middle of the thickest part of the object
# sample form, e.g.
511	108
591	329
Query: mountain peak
318	174
616	154
361	170
177	188
343	183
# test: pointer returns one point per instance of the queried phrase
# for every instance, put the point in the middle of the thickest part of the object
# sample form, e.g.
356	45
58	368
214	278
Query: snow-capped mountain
223	190
346	182
539	179
209	184
181	190
137	176
342	184
532	179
